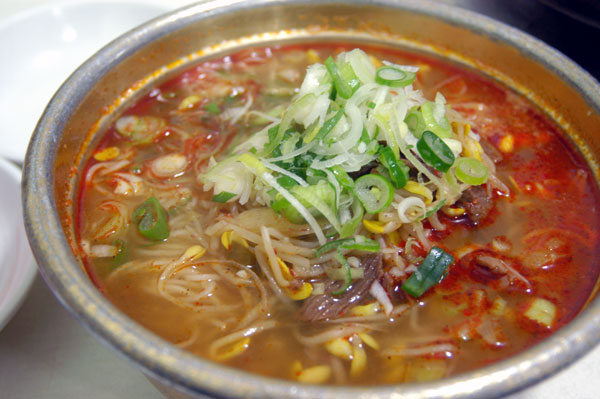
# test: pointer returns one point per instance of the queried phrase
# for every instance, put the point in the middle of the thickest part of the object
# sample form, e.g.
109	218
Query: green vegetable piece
435	152
375	192
340	257
394	77
286	182
430	272
471	171
151	220
213	108
434	209
223	197
319	199
440	127
342	176
122	253
349	228
342	88
349	76
415	122
397	169
327	127
359	243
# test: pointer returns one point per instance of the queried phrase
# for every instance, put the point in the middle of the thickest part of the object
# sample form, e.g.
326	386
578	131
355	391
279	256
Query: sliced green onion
122	253
349	228
223	197
394	77
415	122
151	220
296	107
358	243
434	209
342	88
326	128
347	73
213	108
346	266
397	169
441	127
342	176
430	272
375	192
286	182
471	171
435	152
321	197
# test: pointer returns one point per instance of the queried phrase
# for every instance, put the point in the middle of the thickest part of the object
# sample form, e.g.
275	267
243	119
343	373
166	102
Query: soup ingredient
151	220
379	217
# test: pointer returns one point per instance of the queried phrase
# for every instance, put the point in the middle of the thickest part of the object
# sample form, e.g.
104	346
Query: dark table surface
570	26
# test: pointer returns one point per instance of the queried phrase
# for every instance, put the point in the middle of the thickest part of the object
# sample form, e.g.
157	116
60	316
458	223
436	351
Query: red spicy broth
524	245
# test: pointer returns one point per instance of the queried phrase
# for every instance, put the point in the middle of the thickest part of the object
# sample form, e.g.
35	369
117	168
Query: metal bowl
120	73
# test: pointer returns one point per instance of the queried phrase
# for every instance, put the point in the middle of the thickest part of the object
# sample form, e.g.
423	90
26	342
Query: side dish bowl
124	69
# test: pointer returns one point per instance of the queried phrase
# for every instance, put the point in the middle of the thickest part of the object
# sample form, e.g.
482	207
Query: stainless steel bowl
126	67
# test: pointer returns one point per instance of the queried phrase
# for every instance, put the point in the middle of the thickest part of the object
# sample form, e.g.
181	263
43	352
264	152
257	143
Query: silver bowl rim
175	367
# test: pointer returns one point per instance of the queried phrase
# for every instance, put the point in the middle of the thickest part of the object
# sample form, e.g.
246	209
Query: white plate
17	268
41	46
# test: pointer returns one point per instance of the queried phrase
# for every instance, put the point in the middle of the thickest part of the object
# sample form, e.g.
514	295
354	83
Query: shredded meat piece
476	202
328	306
392	287
491	151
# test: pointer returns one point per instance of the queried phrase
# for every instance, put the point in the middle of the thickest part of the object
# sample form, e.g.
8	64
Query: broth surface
543	231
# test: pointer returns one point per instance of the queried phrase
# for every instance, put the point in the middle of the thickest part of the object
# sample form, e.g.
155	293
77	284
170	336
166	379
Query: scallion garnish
340	257
342	88
471	171
223	197
375	192
394	77
327	127
435	152
151	220
397	169
429	272
213	108
359	243
440	126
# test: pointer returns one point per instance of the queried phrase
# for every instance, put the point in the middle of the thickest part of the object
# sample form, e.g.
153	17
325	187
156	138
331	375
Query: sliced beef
491	151
393	289
477	203
329	306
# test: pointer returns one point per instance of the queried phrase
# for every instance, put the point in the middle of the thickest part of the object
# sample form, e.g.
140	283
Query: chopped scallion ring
341	86
415	122
435	152
441	126
430	272
394	77
397	169
375	192
151	220
340	257
471	171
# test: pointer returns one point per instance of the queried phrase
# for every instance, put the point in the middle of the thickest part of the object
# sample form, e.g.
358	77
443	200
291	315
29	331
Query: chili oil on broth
545	230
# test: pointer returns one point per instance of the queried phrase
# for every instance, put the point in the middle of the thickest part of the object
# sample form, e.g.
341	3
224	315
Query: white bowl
43	45
17	268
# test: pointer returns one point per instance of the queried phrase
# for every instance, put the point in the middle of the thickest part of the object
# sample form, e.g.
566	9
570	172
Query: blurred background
44	352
